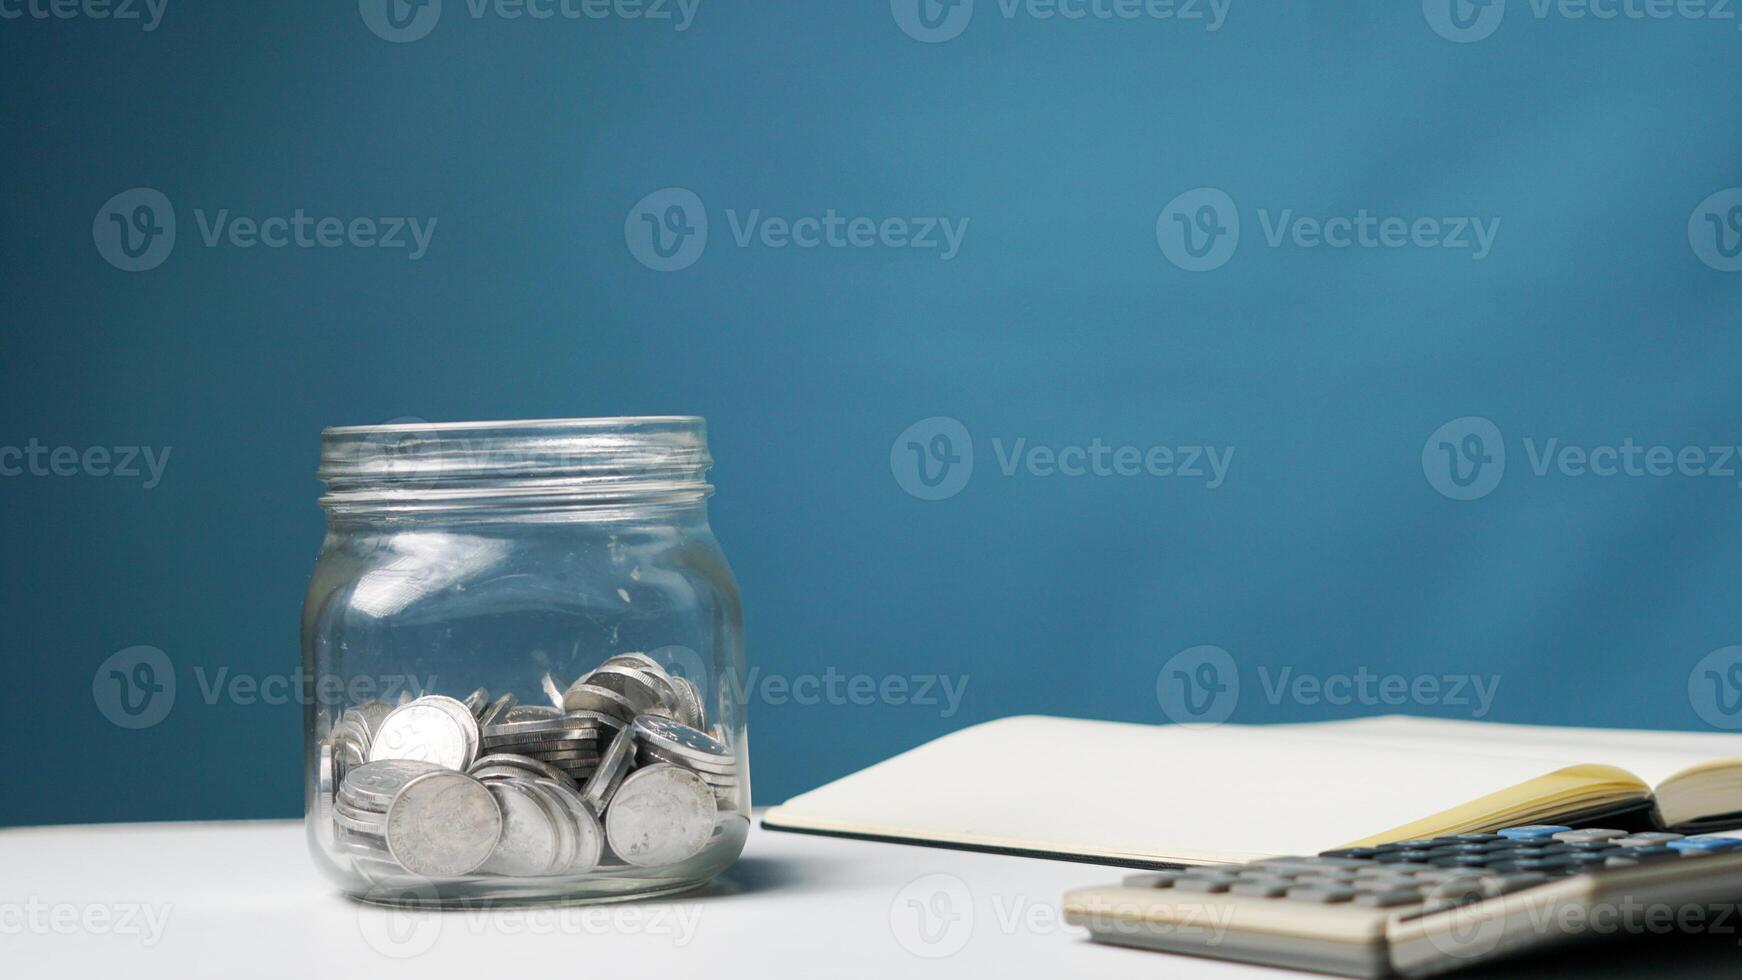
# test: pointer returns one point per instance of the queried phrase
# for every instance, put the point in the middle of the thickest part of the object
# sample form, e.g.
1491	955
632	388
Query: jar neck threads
606	467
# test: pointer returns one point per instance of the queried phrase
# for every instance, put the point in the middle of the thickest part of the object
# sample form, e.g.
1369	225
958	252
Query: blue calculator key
1705	845
1533	831
1351	852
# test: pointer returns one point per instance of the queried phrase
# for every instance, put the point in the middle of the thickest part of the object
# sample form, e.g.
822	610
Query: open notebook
1149	794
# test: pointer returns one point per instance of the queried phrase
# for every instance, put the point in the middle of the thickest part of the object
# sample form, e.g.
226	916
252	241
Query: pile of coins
617	773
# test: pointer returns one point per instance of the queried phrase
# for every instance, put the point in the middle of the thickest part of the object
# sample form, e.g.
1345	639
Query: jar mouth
516	463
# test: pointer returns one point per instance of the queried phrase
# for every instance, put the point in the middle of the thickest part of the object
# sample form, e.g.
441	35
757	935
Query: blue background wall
1329	547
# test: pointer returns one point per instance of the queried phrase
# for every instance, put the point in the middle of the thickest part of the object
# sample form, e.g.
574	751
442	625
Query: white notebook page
1652	756
1145	791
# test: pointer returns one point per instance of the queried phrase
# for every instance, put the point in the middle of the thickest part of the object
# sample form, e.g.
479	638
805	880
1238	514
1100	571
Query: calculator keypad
1439	872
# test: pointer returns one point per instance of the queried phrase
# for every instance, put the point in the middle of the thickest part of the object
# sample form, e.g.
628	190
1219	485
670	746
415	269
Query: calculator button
1321	894
1352	852
1388	900
1261	888
1158	879
1591	836
1506	884
1704	845
1533	831
1646	840
1206	884
1311	863
1477	838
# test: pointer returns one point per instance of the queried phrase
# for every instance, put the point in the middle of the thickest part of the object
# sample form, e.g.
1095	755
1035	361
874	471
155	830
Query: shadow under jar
525	664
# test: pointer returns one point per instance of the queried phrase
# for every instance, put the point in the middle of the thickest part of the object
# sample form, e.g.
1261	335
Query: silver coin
488	773
589	834
530	745
374	713
373	786
649	757
534	737
655	753
567	837
528	844
544	726
443	824
692	712
359	821
431	729
477	701
640	661
676	738
497	712
589	697
618	759
531	712
352	844
553	689
357	725
661	815
526	763
642	688
324	797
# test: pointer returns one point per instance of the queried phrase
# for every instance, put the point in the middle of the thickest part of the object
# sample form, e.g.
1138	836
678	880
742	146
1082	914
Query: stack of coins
570	742
621	774
631	684
547	828
663	740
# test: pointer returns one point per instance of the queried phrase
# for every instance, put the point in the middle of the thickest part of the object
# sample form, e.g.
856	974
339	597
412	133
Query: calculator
1423	907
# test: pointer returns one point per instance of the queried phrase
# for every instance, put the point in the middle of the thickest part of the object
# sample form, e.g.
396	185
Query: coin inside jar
373	785
660	815
430	729
443	824
529	843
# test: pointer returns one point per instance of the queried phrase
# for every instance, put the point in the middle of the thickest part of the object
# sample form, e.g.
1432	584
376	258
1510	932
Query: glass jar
526	660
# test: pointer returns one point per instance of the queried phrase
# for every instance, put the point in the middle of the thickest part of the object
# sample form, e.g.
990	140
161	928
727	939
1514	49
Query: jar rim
577	422
519	464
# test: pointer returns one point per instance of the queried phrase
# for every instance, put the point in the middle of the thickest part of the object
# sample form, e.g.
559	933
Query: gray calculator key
1316	863
1588	836
1387	899
1157	879
1645	840
1321	894
1211	884
1262	887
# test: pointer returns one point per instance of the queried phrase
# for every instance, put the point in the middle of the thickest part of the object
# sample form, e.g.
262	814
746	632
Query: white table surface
236	900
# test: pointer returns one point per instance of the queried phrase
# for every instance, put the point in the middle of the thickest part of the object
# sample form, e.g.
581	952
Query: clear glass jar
525	656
